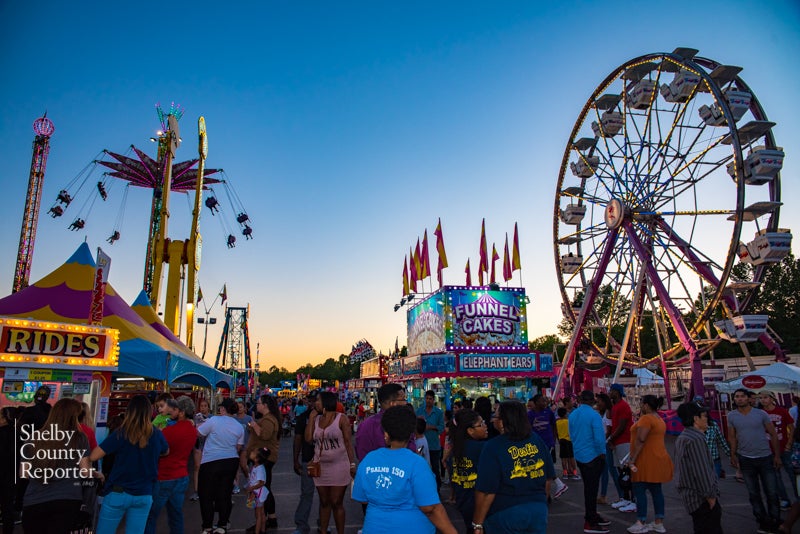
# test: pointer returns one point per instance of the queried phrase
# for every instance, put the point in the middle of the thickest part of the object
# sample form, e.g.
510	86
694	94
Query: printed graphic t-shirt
465	470
395	483
515	471
543	424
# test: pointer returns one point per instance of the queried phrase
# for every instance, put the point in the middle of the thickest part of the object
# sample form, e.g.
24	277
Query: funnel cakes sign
484	320
469	319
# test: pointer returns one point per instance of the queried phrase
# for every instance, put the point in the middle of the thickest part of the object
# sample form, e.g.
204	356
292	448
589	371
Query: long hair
484	408
272	406
606	400
137	427
86	415
515	420
462	422
63	416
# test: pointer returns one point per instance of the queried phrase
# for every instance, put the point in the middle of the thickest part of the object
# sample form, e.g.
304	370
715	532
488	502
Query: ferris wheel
671	162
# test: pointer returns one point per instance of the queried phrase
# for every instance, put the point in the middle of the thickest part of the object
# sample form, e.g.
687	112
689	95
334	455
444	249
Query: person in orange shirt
650	465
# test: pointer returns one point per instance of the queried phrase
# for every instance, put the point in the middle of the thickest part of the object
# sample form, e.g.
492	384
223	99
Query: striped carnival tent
147	347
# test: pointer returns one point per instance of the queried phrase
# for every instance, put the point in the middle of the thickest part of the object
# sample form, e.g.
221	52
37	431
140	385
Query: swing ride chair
135	168
670	161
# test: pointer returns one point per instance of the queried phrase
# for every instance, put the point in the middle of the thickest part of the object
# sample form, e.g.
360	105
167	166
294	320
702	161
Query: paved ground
566	514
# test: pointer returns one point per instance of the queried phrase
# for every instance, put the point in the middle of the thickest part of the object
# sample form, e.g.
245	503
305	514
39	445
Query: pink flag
469	276
483	264
495	257
506	263
515	264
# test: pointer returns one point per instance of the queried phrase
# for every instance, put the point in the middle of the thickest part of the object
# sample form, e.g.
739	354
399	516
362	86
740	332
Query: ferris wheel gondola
670	160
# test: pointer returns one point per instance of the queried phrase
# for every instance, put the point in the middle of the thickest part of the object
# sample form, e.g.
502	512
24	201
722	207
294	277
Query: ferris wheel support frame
588	303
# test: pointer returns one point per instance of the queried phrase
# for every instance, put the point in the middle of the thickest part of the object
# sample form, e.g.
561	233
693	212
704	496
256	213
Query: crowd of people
499	461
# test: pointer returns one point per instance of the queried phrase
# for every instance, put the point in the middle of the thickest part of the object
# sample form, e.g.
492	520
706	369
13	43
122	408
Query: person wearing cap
588	441
219	465
758	457
784	428
619	441
302	453
173	472
694	469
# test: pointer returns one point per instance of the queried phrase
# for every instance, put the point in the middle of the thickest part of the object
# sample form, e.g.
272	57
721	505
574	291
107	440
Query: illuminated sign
469	319
395	367
505	363
426	326
56	345
371	368
480	320
438	363
546	362
412	365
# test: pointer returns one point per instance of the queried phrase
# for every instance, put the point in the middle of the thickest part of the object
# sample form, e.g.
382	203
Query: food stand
472	341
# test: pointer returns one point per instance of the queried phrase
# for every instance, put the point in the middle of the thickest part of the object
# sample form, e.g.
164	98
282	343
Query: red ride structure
44	128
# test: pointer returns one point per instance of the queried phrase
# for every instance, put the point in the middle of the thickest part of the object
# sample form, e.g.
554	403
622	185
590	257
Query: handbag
314	469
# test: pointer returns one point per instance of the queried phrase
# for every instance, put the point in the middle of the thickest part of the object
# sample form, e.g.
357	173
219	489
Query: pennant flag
439	268
440	245
396	346
425	260
418	262
224	294
506	263
199	294
469	276
483	264
412	267
515	264
405	277
495	257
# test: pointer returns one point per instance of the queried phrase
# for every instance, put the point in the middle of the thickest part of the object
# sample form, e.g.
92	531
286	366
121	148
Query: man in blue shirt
434	419
589	446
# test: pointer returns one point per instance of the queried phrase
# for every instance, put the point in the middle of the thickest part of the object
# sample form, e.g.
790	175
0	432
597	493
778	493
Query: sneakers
575	476
195	497
620	503
602	521
656	527
236	489
785	505
638	528
560	489
630	507
594	528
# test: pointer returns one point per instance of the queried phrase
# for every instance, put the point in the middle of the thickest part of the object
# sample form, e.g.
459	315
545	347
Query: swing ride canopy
146	350
147	172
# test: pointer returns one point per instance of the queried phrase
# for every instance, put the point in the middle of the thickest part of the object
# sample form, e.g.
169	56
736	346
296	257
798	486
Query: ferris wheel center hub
614	213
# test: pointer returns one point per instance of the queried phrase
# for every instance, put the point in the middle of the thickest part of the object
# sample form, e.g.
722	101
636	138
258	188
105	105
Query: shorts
565	449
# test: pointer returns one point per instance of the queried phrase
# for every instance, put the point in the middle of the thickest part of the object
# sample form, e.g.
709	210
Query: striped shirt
714	436
694	469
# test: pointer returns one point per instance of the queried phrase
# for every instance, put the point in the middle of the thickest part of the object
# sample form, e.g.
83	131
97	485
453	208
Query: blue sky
347	129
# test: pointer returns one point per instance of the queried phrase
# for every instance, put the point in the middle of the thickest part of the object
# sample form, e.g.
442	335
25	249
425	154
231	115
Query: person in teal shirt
434	419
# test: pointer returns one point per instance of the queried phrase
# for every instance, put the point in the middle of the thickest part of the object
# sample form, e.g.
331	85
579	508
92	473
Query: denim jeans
134	508
306	501
640	490
611	471
169	493
786	460
591	472
758	472
530	518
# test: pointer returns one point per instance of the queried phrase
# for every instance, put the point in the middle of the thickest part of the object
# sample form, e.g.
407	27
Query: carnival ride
140	170
671	160
43	128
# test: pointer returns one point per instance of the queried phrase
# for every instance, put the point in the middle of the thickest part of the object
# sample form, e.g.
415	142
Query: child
421	442
565	446
256	489
162	419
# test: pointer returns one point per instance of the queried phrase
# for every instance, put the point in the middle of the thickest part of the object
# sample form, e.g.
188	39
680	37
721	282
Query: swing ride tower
43	128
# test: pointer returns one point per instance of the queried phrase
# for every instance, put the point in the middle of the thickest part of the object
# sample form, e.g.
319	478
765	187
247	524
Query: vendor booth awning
778	377
65	296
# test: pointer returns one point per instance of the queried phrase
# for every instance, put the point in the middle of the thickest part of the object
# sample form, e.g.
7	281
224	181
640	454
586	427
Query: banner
483	320
498	363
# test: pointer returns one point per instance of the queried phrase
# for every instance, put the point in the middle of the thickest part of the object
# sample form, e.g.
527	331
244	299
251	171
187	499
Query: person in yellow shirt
568	464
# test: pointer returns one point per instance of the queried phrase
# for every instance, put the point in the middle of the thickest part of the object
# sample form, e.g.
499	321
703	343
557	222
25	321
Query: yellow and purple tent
147	347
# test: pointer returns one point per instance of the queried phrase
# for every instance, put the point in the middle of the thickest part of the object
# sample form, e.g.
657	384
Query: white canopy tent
646	377
778	377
